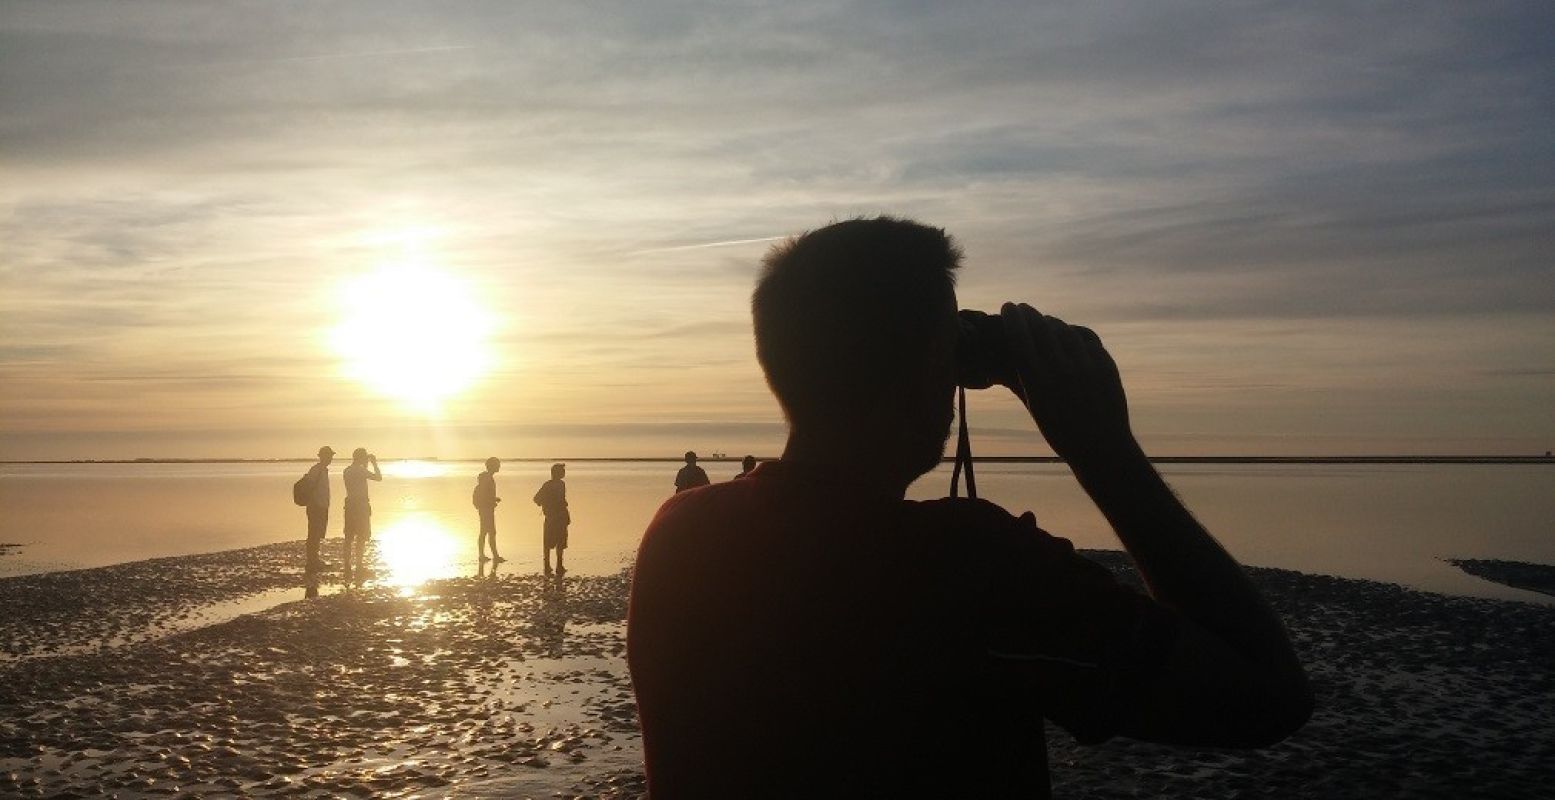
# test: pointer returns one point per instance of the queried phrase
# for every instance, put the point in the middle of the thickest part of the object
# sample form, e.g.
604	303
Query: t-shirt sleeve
1086	645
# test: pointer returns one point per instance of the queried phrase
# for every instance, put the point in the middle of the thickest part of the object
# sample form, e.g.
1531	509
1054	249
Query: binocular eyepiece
982	355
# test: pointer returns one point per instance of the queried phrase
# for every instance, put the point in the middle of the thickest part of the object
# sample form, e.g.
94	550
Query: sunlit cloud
1218	190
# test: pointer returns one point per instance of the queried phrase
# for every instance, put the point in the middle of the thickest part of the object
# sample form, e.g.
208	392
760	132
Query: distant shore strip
717	459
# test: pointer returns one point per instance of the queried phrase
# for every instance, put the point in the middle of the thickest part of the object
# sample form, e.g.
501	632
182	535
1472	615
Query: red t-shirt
789	637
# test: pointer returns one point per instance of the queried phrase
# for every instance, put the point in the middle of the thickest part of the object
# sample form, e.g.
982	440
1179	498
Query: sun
414	333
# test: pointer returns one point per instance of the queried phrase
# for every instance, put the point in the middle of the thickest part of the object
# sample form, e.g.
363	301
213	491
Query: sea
1395	523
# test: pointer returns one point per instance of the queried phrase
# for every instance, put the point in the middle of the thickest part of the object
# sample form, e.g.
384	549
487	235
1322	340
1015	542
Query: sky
1314	228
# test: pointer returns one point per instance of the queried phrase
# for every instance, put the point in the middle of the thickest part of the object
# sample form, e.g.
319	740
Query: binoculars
982	355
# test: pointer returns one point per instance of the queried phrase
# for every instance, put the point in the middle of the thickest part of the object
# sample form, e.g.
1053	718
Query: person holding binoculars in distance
807	631
359	512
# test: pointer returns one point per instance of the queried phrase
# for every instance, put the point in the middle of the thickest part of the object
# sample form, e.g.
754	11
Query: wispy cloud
706	245
403	51
181	190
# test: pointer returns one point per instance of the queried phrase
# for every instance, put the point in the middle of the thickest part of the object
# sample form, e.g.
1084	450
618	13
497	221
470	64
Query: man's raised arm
1232	678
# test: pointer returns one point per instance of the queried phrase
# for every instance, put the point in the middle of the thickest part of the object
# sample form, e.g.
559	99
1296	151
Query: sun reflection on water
414	468
413	550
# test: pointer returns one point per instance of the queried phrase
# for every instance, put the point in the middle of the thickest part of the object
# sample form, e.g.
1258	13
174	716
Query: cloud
183	187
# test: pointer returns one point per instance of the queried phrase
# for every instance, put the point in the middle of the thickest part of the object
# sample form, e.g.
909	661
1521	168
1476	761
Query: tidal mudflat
147	679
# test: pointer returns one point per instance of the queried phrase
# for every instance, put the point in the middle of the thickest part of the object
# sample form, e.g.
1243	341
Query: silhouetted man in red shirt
808	632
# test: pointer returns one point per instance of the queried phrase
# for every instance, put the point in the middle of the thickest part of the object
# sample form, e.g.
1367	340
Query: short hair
691	456
493	462
848	310
557	469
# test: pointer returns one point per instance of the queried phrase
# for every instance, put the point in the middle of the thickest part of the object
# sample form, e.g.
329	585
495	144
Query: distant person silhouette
690	476
807	630
552	500
485	499
746	465
318	520
359	511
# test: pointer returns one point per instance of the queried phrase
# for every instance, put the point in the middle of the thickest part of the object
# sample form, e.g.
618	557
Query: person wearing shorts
359	511
552	500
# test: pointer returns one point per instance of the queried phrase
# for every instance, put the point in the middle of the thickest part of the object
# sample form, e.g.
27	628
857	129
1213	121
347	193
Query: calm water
1390	523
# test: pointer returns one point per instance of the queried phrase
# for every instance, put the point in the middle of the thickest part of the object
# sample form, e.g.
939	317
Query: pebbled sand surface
501	687
477	686
1419	695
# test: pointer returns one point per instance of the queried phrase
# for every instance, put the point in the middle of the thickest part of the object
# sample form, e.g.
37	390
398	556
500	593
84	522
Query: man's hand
1232	678
1070	385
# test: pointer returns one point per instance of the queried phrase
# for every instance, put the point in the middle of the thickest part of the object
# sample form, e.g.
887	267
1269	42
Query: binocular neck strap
963	452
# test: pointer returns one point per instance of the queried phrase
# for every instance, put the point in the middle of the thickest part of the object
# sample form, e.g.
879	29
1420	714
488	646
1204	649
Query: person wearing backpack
485	500
312	492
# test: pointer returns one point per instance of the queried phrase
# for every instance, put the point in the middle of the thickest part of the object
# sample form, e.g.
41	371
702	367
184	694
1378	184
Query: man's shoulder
986	526
704	505
960	512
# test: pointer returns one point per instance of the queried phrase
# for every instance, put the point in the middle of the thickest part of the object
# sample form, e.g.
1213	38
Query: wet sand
1419	695
507	687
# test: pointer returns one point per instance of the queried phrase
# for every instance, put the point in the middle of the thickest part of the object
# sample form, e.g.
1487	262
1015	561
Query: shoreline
727	459
94	609
505	687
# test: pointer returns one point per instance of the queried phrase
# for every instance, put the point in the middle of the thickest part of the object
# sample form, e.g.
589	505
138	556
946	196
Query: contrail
704	245
326	56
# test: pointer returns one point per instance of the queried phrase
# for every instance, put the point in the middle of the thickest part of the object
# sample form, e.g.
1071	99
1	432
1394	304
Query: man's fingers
1017	333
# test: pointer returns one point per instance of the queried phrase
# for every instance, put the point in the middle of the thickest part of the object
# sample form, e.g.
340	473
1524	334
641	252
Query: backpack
302	490
481	499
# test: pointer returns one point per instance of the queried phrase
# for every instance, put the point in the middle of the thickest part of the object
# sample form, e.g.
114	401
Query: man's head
748	463
326	454
856	329
558	471
359	455
691	458
493	464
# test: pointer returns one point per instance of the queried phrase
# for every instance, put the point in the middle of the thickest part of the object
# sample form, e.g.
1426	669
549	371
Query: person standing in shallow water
552	500
486	500
359	511
690	476
318	520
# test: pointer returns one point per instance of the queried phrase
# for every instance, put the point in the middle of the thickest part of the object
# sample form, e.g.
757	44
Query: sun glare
414	468
414	333
414	550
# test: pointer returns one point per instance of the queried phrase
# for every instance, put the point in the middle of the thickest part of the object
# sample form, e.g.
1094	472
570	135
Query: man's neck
870	465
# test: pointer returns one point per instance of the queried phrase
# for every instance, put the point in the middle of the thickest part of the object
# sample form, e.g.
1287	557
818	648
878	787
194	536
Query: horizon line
1486	458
